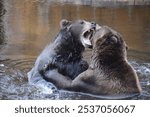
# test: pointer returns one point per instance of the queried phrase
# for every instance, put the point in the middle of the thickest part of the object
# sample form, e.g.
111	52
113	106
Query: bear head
81	30
108	45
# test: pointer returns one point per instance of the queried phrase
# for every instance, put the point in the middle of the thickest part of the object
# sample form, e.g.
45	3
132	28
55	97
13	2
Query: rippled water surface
27	26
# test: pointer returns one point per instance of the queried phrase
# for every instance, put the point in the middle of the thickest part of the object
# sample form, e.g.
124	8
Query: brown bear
65	53
109	72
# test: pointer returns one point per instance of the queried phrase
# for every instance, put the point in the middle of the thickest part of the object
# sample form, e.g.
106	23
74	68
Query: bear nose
93	25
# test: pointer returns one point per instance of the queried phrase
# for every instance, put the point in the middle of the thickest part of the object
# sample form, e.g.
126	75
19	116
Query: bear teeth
88	33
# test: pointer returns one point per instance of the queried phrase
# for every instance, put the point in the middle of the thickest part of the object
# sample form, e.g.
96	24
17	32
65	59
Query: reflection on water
30	24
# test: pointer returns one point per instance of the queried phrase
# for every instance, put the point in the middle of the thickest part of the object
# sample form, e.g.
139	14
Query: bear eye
82	22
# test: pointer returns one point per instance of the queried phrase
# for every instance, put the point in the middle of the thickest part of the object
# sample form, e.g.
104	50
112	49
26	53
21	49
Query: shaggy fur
65	53
67	56
109	72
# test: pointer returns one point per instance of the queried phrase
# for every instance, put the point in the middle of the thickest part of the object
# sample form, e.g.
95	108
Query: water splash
142	68
14	82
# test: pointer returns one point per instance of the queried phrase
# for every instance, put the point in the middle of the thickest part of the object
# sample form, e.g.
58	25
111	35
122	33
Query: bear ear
64	23
114	39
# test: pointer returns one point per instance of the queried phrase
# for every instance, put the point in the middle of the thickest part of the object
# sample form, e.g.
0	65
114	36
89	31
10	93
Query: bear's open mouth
88	34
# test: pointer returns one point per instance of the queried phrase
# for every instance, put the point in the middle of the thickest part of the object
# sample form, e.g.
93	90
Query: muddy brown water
27	26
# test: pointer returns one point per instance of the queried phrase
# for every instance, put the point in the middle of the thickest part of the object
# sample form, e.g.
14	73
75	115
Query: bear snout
93	25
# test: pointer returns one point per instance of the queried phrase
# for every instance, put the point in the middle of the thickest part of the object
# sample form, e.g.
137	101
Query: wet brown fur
109	72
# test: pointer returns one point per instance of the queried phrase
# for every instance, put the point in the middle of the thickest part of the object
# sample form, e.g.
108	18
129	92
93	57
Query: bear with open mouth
109	72
65	53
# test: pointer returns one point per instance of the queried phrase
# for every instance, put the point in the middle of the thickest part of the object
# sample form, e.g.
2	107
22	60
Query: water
27	26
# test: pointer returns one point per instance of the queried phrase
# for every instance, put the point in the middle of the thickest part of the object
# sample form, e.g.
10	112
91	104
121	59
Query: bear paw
84	65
